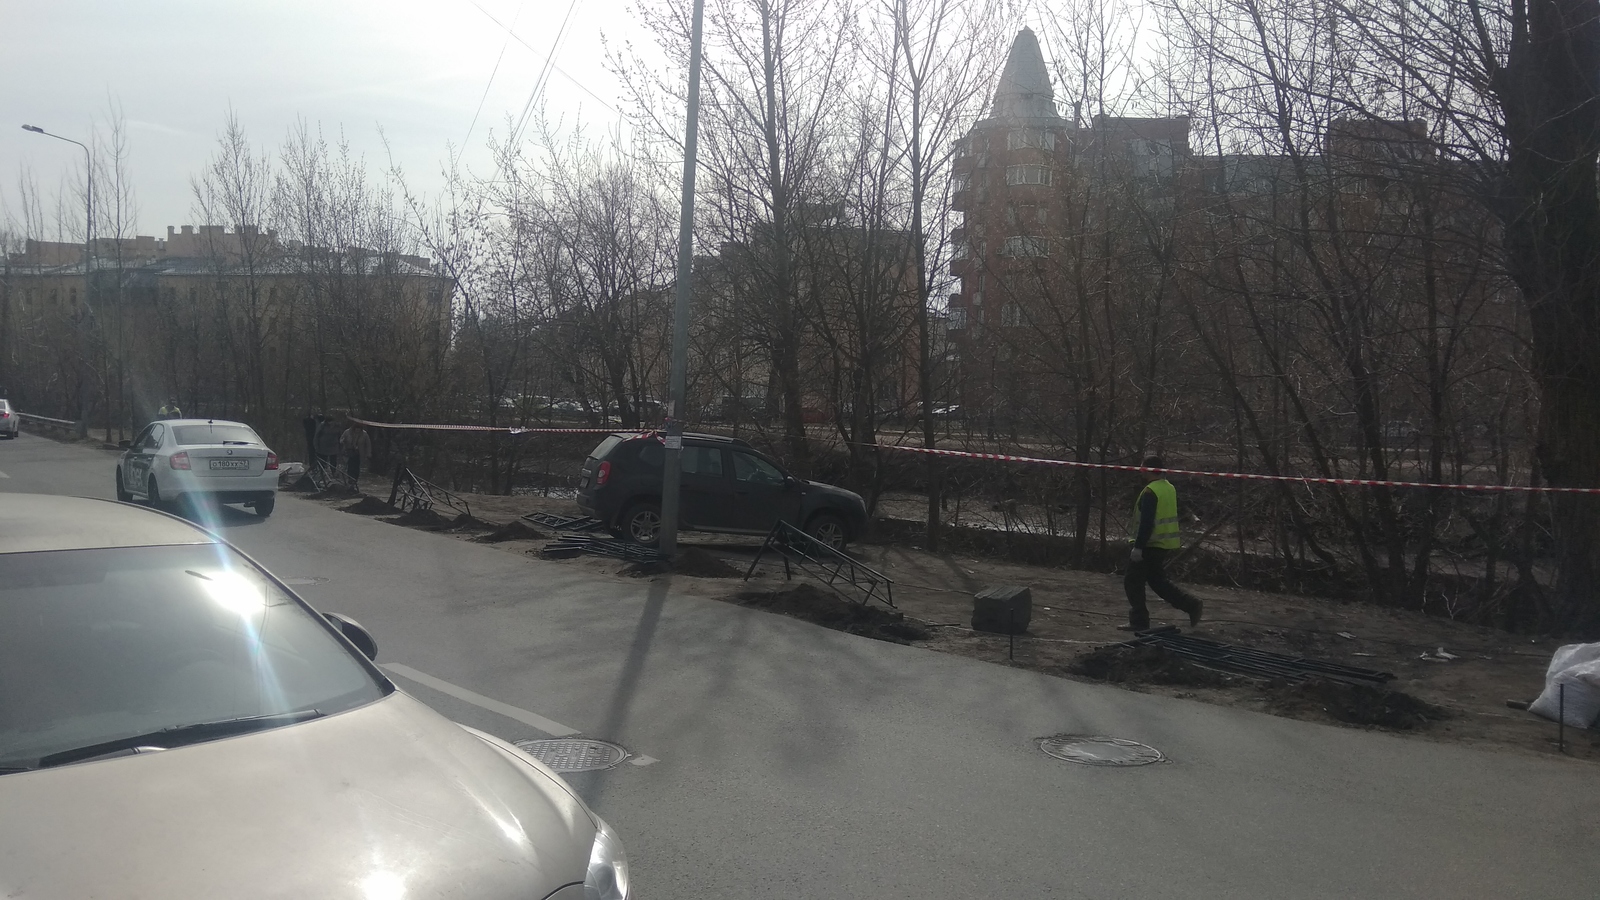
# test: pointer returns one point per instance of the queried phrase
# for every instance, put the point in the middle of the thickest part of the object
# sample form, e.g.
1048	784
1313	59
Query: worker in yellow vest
1153	534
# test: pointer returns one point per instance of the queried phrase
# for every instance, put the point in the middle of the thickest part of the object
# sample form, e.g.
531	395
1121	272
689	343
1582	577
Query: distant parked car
727	487
10	422
193	460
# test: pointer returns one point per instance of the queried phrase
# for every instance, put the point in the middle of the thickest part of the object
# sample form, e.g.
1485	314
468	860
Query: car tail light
5	415
180	460
603	473
272	461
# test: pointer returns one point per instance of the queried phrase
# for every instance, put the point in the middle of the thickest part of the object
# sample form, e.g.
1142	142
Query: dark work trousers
352	464
1149	571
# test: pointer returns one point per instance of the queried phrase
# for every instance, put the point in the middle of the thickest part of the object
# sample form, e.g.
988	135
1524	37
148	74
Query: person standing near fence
170	410
327	441
356	445
309	423
1153	536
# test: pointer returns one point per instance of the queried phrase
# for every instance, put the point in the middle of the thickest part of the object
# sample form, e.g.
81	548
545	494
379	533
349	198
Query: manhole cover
574	754
1099	750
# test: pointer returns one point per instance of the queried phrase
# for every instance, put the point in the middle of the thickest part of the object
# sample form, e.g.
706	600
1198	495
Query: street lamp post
88	255
671	464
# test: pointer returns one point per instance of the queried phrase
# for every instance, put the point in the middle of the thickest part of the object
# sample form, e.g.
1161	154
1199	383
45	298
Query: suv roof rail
692	435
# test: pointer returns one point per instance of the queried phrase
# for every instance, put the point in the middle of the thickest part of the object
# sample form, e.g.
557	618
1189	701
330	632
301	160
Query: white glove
1136	554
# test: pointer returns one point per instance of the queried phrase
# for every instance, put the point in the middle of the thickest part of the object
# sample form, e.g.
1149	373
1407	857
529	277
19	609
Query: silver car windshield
103	645
190	435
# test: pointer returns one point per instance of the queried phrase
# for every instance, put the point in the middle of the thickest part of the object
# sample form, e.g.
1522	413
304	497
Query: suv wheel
641	523
828	529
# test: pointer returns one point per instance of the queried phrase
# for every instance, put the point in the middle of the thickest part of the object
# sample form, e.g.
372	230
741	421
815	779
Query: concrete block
1002	609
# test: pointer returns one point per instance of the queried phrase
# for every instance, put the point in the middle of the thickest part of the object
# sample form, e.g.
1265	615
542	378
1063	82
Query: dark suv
726	487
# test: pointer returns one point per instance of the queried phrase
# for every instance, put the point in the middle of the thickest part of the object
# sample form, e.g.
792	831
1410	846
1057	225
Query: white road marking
548	726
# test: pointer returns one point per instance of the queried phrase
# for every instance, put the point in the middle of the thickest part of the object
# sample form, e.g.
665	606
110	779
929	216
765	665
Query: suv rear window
606	446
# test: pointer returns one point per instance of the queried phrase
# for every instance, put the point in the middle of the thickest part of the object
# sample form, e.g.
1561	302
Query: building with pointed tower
1039	193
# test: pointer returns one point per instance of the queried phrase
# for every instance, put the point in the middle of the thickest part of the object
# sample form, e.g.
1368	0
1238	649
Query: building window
958	319
1018	138
1025	245
1011	315
961	182
1151	158
1027	175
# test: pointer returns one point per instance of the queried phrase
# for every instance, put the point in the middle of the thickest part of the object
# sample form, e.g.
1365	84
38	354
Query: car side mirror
791	483
355	634
123	445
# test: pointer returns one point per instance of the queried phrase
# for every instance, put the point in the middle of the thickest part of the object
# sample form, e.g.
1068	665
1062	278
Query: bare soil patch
369	506
826	608
1353	704
516	530
419	518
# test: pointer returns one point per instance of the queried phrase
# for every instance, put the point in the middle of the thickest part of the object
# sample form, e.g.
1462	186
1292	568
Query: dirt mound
469	522
369	506
515	530
698	563
825	608
334	492
1121	664
1354	704
420	518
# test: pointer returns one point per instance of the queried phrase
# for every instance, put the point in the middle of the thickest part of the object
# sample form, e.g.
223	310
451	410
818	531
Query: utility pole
671	463
88	273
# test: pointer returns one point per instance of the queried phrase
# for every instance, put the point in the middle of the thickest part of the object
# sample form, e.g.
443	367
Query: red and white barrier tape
1302	479
490	429
1005	457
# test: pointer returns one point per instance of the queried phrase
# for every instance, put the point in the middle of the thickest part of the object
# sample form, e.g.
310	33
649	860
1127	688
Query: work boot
1194	617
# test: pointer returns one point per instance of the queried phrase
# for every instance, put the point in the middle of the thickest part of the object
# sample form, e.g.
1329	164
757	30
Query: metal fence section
64	423
326	476
1253	662
831	566
411	493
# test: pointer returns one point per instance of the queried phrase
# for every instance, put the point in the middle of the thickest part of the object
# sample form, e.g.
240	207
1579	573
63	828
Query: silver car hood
390	801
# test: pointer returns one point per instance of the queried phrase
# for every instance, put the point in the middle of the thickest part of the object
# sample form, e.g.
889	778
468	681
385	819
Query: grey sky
417	69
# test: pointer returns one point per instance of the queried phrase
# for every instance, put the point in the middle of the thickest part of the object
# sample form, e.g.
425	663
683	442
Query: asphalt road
792	761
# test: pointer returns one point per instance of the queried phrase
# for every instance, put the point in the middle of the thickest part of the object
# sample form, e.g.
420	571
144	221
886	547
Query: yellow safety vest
1165	533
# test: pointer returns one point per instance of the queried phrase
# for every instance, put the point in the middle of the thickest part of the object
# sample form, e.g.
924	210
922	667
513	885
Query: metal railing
411	493
64	423
326	476
831	566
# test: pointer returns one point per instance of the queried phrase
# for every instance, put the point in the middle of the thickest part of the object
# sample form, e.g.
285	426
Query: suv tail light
272	461
602	474
180	460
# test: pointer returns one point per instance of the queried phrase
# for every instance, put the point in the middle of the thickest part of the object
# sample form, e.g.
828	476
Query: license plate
230	464
583	482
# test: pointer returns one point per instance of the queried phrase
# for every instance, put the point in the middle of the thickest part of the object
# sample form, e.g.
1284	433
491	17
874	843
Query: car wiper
178	736
238	443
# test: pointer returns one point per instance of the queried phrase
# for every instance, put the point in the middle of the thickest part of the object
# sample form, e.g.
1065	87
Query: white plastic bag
1577	666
